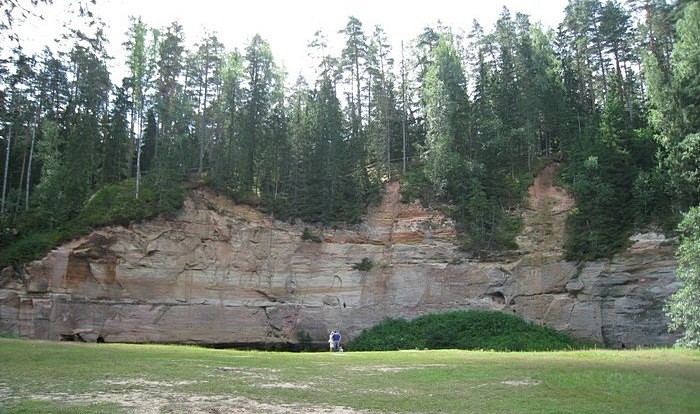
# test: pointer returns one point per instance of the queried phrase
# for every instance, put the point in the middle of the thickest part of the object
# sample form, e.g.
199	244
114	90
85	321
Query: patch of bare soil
511	383
207	199
520	383
395	222
379	221
165	402
545	217
153	397
386	368
145	396
392	221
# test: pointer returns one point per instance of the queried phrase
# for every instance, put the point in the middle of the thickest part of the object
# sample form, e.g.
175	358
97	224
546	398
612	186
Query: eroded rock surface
222	273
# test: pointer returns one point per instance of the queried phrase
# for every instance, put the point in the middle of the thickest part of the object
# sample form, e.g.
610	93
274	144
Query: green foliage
686	77
461	330
323	152
506	232
601	176
683	164
114	204
675	111
475	201
622	179
415	186
389	335
304	340
365	265
444	91
33	246
327	183
598	226
683	307
9	335
308	235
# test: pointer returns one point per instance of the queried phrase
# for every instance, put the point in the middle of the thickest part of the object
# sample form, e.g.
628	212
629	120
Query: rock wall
222	273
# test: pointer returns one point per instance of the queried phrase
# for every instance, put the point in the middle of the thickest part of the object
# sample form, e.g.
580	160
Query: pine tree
382	115
254	141
72	151
169	90
20	109
205	88
446	108
116	163
225	175
85	111
138	82
353	62
676	111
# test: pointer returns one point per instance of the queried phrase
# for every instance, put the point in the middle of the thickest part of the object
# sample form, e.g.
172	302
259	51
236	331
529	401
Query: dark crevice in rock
267	296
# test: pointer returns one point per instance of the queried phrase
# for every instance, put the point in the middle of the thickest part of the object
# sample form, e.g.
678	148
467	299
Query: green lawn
54	377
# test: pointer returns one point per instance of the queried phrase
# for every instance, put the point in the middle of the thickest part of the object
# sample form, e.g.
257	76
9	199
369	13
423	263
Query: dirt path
380	219
545	218
393	222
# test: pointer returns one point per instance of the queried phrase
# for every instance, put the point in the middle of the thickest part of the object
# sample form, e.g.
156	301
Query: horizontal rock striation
222	273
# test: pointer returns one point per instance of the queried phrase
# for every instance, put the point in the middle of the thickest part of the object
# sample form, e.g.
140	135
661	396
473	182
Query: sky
288	26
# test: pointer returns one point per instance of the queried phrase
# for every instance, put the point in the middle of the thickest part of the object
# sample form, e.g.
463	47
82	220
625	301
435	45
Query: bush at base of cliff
462	330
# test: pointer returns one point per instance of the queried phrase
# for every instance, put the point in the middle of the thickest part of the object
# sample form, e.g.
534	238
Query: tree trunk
31	157
138	160
403	104
7	165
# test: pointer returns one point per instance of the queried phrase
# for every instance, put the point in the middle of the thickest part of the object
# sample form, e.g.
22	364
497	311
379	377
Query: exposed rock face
225	274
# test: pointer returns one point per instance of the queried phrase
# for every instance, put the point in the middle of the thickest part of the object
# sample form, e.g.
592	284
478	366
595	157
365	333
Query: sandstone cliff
222	273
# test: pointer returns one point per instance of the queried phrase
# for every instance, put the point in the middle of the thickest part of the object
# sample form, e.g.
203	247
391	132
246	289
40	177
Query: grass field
59	377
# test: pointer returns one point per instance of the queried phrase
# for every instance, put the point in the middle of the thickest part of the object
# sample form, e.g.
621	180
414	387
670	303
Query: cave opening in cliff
498	297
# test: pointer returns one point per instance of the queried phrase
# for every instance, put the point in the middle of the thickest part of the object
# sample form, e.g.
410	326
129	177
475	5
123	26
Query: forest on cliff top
463	120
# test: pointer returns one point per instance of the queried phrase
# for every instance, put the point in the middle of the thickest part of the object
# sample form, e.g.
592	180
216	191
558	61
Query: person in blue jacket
335	341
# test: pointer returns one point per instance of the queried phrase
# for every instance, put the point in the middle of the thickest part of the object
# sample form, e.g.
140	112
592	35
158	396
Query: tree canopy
463	120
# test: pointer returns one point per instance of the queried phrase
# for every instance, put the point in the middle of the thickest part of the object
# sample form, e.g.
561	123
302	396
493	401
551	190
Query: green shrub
415	185
489	330
10	335
308	235
365	265
113	204
305	342
388	335
28	248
